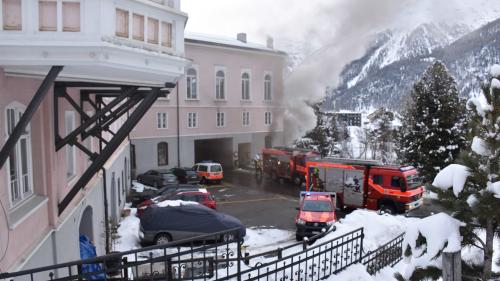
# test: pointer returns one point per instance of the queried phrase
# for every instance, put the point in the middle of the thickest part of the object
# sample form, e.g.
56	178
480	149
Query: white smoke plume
331	33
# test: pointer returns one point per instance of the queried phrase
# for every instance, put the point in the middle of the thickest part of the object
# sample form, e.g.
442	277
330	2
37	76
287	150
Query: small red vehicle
287	163
202	196
367	184
316	214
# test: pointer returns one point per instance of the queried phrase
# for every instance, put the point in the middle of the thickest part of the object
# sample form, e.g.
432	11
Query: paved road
271	204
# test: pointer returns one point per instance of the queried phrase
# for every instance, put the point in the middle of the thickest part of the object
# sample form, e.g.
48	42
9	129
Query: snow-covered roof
228	42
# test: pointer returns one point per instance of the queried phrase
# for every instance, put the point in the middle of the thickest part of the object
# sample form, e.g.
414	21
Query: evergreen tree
478	203
432	132
382	134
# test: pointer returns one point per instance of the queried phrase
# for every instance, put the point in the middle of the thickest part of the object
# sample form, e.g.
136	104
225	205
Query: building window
161	120
220	85
47	15
138	27
153	31
121	23
192	120
246	118
162	154
166	34
267	87
69	125
268	118
12	14
71	16
192	84
220	119
19	165
245	86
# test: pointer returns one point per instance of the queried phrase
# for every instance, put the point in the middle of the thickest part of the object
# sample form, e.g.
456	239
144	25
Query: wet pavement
272	204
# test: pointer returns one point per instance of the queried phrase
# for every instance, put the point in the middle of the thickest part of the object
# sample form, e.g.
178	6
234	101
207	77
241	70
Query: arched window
245	86
267	87
220	85
162	154
192	84
19	166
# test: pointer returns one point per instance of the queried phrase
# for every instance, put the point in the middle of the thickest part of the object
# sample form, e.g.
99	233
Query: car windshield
316	206
216	168
413	181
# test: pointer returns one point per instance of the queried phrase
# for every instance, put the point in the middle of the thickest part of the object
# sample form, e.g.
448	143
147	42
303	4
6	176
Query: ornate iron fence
388	254
219	256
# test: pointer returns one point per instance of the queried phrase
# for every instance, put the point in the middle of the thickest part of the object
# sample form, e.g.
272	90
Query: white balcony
128	41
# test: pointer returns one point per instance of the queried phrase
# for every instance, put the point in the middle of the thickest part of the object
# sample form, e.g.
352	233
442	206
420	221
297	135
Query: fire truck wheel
203	180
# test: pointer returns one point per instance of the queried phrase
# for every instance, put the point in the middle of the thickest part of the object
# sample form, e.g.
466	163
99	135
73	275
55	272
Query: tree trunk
488	251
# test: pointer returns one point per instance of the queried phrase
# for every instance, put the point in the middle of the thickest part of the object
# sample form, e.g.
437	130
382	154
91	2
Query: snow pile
175	203
128	233
495	70
378	229
453	175
439	230
480	147
481	104
139	187
494	188
259	239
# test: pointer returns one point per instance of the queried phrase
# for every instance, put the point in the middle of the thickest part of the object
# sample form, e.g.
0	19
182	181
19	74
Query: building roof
198	38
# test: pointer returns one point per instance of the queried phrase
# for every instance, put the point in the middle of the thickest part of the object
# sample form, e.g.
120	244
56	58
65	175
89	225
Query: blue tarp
87	251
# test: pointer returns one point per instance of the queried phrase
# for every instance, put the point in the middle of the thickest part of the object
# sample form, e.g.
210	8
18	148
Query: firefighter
317	183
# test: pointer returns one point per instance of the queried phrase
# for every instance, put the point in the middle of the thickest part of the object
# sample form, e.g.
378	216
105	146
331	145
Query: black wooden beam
110	148
60	143
28	113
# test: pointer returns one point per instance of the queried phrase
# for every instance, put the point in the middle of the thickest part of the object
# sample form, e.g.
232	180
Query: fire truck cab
367	184
287	163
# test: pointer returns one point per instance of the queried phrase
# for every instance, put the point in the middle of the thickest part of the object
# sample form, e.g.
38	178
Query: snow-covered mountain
396	59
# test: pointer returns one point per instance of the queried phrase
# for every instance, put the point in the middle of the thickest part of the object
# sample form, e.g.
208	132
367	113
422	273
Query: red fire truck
287	163
367	184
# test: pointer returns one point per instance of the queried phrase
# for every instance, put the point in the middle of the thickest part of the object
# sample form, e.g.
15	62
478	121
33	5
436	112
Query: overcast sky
299	19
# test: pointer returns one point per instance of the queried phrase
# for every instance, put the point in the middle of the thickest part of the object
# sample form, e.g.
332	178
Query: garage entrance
244	157
217	150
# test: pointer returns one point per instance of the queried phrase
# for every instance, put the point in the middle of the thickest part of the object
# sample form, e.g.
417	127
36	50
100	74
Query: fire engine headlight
301	222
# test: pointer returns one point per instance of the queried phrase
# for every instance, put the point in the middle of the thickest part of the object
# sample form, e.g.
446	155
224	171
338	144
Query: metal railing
218	256
388	254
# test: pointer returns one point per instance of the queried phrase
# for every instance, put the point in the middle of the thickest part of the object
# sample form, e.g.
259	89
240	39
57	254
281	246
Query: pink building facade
57	181
228	106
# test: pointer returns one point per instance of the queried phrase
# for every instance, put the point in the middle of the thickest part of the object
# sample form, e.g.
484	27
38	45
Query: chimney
270	42
242	37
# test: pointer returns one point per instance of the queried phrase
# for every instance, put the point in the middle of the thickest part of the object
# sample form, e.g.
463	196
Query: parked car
199	195
186	175
157	178
316	212
161	225
209	172
137	198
